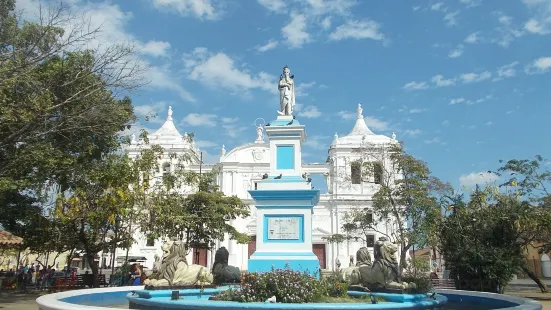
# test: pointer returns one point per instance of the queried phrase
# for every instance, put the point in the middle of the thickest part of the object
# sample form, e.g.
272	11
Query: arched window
166	170
356	172
377	173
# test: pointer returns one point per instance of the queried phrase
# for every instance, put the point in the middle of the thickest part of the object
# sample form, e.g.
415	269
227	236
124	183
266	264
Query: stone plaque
283	228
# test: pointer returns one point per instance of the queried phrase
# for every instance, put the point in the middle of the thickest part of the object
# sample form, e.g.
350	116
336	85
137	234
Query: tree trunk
534	277
91	262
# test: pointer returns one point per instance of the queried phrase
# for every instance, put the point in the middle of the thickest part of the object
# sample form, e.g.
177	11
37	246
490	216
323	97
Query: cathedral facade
240	169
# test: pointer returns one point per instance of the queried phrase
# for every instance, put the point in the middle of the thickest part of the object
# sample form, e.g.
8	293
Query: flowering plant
287	285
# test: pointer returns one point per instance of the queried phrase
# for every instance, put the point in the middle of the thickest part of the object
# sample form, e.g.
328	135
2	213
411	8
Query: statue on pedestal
381	275
175	271
286	88
384	274
221	271
352	273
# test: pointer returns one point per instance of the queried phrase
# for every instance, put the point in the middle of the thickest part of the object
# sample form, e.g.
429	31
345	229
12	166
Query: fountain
284	202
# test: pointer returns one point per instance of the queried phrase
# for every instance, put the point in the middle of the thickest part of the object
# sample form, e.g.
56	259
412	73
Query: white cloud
540	65
326	23
203	144
220	70
412	132
295	32
268	46
202	9
347	115
277	6
310	112
196	119
417	110
451	18
507	32
317	142
161	78
506	71
472	38
152	111
458	51
477	178
357	29
471	3
437	6
232	127
470	102
457	100
434	140
156	48
540	23
376	124
371	121
440	81
301	89
475	77
415	85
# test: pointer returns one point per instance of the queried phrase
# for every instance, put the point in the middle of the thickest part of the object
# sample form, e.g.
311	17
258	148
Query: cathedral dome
167	137
360	134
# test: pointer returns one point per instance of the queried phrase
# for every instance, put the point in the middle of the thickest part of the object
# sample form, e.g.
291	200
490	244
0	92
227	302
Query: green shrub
424	285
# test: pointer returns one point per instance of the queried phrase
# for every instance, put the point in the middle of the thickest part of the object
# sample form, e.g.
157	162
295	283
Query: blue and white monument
285	198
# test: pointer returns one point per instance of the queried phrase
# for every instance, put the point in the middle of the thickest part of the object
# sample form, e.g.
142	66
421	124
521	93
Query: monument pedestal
284	204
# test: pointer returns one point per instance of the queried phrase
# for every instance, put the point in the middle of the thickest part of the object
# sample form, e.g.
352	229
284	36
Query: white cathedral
239	171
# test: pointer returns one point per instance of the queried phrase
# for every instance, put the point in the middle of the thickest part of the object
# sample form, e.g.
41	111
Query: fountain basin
197	300
119	297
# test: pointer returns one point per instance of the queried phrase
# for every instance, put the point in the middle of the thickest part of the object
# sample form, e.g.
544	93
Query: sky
463	83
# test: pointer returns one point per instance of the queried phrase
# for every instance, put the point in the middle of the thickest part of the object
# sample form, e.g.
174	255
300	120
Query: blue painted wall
285	157
300	228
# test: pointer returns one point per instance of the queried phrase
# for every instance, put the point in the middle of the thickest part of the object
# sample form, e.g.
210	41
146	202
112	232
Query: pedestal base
303	262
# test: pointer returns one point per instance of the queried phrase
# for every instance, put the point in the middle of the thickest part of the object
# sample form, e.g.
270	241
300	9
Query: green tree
60	119
188	206
99	201
479	240
529	181
56	98
406	193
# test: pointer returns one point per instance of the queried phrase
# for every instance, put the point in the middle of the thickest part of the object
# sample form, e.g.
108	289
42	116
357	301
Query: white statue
360	111
393	136
133	139
169	113
259	134
286	88
223	150
174	269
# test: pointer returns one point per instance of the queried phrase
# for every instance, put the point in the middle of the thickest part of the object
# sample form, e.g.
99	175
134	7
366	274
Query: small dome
360	134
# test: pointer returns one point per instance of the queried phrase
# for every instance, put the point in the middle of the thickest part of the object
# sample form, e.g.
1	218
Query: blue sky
463	83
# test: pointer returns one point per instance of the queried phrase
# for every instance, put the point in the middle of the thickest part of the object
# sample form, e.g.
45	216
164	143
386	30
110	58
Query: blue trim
279	207
311	266
300	218
284	179
284	123
295	254
310	195
285	157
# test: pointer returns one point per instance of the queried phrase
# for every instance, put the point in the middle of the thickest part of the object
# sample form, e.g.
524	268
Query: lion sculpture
384	273
351	275
221	271
175	271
